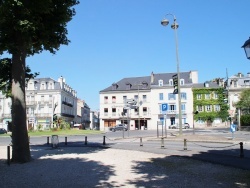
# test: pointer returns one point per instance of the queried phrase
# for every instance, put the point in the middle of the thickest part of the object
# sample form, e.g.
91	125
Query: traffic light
175	83
54	117
225	96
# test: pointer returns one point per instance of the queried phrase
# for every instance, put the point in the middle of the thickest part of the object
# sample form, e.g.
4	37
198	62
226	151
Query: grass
60	132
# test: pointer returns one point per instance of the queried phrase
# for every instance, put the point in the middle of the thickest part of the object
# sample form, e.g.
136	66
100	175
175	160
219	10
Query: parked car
119	127
176	126
3	131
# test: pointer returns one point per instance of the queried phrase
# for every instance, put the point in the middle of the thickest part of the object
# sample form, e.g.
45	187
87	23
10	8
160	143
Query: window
215	96
128	86
106	99
183	107
182	82
113	111
207	96
42	98
198	96
160	96
171	96
171	82
144	109
106	111
113	99
144	98
208	108
136	97
184	96
172	108
235	83
160	82
199	108
124	99
216	107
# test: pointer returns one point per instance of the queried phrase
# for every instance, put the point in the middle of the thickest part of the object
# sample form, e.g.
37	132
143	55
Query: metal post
157	131
65	140
162	142
241	150
8	155
141	142
48	140
166	125
104	140
185	144
86	140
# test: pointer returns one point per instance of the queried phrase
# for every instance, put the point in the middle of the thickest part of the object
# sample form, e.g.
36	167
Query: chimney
152	77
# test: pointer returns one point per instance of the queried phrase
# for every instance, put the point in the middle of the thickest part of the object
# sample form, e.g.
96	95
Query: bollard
85	140
162	142
241	150
104	140
141	142
66	141
47	140
8	155
185	144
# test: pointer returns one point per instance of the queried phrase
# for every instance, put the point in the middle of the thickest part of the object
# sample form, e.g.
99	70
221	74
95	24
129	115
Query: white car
176	126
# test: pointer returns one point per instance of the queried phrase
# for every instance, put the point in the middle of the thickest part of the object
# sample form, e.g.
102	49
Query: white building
45	97
150	92
235	84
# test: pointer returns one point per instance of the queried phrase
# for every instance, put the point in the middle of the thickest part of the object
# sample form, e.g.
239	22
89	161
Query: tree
26	28
6	77
244	102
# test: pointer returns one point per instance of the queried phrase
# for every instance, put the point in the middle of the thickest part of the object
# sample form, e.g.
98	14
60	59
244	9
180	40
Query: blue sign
164	107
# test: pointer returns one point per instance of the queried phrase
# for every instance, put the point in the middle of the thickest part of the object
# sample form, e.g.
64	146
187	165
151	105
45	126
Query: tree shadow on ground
59	167
177	171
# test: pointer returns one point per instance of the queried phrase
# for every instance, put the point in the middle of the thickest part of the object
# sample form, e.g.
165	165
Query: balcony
67	103
30	103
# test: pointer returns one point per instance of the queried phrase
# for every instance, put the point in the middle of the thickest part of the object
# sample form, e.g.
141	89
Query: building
137	101
235	84
46	100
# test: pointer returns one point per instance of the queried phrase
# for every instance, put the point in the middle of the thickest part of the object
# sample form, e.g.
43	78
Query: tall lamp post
175	26
246	47
138	103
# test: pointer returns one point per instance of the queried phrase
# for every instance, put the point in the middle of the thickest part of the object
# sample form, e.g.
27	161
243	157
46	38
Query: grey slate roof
134	81
39	80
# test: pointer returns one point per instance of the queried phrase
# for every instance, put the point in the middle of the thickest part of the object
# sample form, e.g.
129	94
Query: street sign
175	83
164	107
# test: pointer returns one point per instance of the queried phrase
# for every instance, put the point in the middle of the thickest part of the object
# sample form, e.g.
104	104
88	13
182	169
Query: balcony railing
43	114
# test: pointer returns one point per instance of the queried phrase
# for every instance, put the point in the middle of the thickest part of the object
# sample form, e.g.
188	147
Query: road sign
164	107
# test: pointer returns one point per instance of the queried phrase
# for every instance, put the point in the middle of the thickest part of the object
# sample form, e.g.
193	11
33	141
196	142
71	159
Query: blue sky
113	39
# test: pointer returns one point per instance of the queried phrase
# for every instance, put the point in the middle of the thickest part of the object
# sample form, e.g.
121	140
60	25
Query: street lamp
175	26
246	47
138	103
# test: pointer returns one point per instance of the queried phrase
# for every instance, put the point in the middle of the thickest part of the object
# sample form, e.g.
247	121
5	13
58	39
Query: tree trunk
20	140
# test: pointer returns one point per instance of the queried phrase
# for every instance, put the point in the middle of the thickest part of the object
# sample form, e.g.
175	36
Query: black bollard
8	155
66	141
241	150
47	140
86	140
141	142
104	140
185	144
162	142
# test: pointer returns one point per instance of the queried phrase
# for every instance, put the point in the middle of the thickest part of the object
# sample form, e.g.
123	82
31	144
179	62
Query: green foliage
6	76
210	116
244	102
34	26
245	120
64	125
40	127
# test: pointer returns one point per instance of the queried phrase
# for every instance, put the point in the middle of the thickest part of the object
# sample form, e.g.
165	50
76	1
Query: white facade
5	111
44	98
153	91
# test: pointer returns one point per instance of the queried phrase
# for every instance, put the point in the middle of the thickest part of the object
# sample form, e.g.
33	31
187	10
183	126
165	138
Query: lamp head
246	47
164	22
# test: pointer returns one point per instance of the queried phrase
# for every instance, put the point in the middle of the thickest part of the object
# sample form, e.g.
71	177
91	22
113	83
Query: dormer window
160	83
170	82
114	86
128	86
182	82
144	85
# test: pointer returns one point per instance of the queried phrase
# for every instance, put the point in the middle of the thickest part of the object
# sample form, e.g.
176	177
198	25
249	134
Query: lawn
60	132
